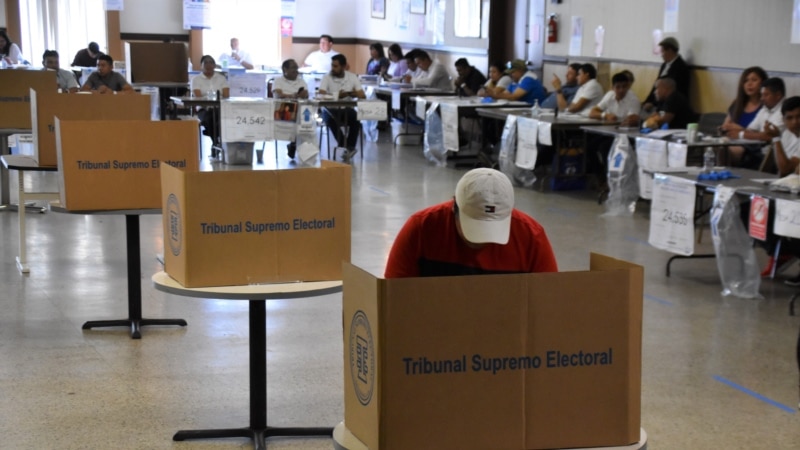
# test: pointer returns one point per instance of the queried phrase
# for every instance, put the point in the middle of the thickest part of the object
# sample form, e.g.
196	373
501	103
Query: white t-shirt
435	77
320	62
288	87
791	144
349	82
628	105
66	80
232	62
414	74
592	91
217	82
765	115
503	82
14	54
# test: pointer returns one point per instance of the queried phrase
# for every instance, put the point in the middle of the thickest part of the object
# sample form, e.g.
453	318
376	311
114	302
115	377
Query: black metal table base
257	435
134	324
669	262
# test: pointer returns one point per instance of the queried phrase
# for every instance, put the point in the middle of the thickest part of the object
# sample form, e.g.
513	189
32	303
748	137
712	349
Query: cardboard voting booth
45	107
15	87
261	226
117	166
520	361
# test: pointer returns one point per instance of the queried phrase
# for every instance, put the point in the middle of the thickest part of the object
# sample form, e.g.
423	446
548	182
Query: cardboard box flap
15	87
173	194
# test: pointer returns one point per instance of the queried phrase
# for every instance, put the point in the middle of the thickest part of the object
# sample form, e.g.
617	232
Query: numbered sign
759	213
672	215
527	137
253	85
787	218
371	110
247	121
651	156
449	114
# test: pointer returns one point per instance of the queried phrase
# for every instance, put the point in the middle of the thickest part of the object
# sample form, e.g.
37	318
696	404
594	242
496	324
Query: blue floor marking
788	409
658	300
378	190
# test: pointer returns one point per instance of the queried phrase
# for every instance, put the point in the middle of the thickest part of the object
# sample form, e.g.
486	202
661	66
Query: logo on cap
488	208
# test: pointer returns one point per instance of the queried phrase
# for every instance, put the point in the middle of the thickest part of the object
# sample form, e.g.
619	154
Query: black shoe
291	150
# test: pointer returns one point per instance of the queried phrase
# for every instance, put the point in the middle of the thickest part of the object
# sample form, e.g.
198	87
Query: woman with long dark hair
378	63
9	51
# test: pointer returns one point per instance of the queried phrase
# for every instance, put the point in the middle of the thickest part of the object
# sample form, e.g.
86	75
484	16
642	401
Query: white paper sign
672	215
396	100
645	184
721	197
420	110
545	134
253	85
671	9
247	122
371	110
306	118
449	114
676	154
619	156
787	218
527	136
576	38
651	153
196	14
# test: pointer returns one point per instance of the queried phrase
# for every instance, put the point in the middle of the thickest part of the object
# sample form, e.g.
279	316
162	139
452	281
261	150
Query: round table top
165	283
343	439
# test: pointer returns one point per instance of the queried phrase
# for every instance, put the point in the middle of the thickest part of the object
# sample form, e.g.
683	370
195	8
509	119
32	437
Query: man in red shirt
479	232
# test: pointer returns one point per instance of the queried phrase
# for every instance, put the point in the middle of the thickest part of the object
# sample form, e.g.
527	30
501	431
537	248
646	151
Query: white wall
723	33
3	13
152	17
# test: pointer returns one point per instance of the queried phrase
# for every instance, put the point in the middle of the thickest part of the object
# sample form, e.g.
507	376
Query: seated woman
397	64
497	82
744	108
9	51
378	63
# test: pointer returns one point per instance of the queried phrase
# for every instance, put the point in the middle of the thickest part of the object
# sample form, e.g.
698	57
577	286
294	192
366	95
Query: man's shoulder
521	220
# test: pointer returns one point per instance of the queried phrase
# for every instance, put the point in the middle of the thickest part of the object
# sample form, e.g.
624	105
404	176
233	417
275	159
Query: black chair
709	123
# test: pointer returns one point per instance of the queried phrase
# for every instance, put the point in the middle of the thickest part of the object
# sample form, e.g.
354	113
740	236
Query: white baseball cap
485	199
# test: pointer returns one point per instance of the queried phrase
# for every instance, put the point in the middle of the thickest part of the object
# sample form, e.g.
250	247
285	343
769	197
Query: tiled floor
61	387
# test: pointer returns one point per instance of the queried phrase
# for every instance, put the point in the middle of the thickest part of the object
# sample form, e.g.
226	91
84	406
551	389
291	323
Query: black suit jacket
678	71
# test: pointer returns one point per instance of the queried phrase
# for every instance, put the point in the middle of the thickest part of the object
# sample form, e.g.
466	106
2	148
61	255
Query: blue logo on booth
173	217
362	357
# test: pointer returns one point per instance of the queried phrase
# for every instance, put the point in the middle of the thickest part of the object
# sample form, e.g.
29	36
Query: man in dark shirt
672	107
673	67
87	57
105	80
469	81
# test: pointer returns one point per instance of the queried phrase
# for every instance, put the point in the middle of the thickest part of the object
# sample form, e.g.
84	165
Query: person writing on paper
433	75
786	144
342	84
524	86
237	57
290	85
320	60
397	64
497	82
589	91
208	83
478	232
470	80
564	92
65	79
9	51
672	108
619	104
105	80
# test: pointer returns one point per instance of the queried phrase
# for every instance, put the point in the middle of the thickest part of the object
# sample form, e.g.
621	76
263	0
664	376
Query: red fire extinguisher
552	29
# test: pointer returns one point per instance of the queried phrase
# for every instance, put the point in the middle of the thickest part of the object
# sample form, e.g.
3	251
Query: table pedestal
258	431
134	320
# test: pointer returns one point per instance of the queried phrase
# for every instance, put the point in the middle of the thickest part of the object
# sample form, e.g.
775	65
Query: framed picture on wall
378	9
417	7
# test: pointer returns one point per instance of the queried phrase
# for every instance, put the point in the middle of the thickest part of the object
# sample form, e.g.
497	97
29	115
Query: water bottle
535	110
709	160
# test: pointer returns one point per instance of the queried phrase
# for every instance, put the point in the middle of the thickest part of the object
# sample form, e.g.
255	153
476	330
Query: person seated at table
673	67
378	63
433	74
786	144
320	60
773	91
563	95
209	81
477	232
524	86
290	85
469	80
87	57
398	64
237	57
672	108
589	91
498	81
9	51
65	79
342	84
747	103
105	80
